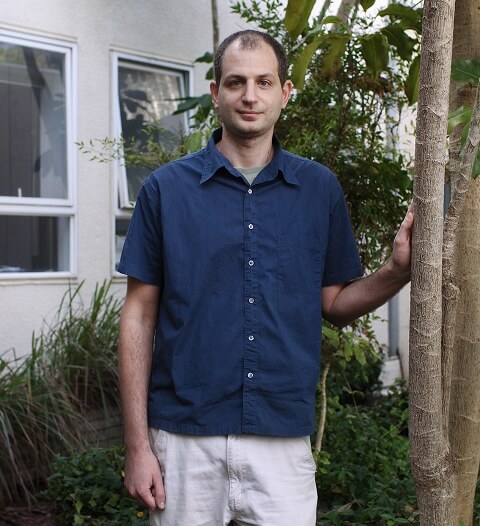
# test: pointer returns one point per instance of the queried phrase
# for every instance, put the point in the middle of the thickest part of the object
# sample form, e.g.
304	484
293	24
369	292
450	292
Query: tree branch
323	411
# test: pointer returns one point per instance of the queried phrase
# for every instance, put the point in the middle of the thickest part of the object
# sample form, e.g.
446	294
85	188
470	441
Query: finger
146	498
158	492
409	215
405	229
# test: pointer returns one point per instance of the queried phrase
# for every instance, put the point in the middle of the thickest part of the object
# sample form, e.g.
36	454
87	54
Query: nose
250	93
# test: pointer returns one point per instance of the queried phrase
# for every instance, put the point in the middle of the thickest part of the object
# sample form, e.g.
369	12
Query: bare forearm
137	329
134	372
134	366
365	295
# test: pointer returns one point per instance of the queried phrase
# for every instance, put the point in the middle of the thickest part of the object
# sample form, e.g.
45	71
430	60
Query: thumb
405	230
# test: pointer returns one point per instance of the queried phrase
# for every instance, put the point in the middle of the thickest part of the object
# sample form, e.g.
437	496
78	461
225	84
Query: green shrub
364	473
45	398
79	350
87	489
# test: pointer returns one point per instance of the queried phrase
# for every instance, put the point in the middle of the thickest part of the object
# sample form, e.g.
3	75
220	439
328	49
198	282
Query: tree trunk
464	421
215	25
345	9
431	461
465	402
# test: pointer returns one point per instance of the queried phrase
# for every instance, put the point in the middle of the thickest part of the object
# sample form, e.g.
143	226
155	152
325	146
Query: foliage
79	350
87	488
45	398
148	153
363	475
355	358
399	38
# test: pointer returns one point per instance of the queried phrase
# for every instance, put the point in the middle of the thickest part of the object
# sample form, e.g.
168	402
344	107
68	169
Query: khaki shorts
245	479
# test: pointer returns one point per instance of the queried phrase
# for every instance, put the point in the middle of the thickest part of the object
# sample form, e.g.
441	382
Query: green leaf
206	57
466	71
409	18
293	13
209	74
194	141
476	166
459	117
375	52
296	16
366	4
299	69
348	350
465	134
411	84
332	58
205	100
332	20
359	355
187	104
330	334
397	37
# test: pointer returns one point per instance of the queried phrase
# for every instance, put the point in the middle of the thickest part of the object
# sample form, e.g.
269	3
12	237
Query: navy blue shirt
241	271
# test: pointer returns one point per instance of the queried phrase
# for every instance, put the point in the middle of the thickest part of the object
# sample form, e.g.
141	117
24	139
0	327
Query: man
234	254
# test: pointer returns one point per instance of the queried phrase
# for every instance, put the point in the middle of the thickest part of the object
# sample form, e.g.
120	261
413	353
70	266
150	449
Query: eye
235	83
264	83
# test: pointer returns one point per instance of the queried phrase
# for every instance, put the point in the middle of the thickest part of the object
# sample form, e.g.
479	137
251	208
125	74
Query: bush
46	397
364	473
87	488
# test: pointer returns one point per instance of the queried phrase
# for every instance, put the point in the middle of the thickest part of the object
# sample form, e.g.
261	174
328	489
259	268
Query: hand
143	479
402	250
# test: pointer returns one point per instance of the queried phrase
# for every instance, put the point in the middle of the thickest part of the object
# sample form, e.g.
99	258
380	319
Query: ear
214	93
286	92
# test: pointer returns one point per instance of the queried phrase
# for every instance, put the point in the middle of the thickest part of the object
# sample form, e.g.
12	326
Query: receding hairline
251	39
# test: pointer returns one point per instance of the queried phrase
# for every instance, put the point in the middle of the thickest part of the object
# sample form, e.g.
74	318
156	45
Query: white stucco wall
174	31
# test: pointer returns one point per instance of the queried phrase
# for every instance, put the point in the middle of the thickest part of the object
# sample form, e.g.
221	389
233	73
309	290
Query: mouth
249	114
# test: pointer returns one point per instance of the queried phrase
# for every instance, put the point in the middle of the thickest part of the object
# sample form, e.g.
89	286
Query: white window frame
122	206
50	207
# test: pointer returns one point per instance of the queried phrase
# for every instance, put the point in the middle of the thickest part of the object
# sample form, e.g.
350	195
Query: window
147	93
36	205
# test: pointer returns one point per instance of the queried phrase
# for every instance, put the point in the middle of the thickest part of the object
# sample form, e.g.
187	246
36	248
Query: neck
246	152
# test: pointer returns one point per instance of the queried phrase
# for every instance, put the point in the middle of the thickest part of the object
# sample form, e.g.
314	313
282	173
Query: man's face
250	96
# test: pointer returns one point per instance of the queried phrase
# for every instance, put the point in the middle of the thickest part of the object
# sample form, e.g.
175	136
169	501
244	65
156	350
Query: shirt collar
215	161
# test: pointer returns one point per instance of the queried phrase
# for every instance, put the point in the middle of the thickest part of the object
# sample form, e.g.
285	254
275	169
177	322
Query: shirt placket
252	304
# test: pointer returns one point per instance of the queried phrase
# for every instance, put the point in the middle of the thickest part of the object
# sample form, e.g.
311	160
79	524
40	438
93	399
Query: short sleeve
142	252
342	262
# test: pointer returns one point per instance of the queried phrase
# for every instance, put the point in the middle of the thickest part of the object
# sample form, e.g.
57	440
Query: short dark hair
251	39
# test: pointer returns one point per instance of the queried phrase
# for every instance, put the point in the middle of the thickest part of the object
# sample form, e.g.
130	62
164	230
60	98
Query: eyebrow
240	76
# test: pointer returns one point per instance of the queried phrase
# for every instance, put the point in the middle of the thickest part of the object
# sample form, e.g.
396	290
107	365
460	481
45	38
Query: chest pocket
300	265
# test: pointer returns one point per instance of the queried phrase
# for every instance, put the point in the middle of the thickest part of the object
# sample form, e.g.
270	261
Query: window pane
149	96
121	227
32	123
34	244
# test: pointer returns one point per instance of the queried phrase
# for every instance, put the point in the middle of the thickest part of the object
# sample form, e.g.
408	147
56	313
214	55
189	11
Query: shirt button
251	262
251	337
250	191
250	226
251	300
250	375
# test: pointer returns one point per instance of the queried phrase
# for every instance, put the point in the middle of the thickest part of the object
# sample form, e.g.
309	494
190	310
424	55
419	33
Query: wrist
398	274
